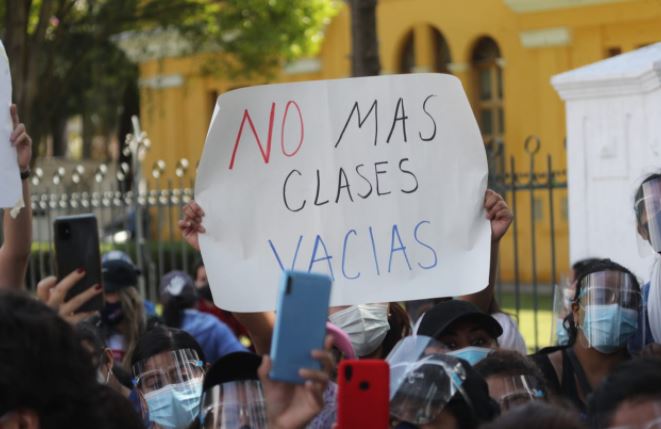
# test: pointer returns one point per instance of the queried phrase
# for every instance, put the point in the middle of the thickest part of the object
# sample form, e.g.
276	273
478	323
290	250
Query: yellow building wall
176	118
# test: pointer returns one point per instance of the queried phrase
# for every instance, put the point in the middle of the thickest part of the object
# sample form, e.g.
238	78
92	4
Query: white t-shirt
511	339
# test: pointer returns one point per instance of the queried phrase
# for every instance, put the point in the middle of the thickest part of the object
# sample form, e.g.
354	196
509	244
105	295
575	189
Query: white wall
613	141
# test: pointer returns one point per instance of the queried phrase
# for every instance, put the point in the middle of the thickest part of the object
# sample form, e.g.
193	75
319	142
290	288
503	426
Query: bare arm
500	216
259	325
15	250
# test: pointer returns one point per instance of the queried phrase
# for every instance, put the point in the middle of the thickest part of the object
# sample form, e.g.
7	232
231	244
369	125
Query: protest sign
378	182
10	182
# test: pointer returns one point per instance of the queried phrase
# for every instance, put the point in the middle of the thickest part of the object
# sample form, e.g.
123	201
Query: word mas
348	185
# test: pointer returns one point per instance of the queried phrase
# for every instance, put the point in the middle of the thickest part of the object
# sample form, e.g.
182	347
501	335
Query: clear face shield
563	295
171	385
648	217
234	405
422	379
512	391
610	304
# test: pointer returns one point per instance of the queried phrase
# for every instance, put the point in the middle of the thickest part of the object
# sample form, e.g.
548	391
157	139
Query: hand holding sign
191	224
10	183
378	182
499	213
20	139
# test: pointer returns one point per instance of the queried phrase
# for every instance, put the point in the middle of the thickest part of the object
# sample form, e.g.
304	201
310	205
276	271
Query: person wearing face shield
513	379
238	394
463	330
168	366
563	295
647	207
433	390
605	313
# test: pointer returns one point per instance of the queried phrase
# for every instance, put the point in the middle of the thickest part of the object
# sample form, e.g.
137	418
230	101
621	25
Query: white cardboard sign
378	182
10	182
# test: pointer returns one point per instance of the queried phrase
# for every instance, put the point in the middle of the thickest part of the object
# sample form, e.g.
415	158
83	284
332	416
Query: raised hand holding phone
300	326
77	249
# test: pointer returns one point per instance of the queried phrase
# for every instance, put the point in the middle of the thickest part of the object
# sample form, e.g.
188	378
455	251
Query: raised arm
500	216
259	325
15	250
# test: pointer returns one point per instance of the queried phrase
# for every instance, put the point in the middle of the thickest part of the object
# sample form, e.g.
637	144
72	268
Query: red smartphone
363	394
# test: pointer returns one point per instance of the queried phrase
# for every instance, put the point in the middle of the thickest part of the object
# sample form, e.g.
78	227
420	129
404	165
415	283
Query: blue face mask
471	354
561	333
175	406
608	327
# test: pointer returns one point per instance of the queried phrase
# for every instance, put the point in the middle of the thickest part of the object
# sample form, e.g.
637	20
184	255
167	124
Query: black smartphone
77	246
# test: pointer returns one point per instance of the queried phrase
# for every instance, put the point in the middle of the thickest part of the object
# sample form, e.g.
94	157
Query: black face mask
205	292
112	314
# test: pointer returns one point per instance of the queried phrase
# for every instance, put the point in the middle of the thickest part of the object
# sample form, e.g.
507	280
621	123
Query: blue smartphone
300	324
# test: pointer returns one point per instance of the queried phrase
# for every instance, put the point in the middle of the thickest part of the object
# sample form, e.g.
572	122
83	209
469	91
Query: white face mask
365	324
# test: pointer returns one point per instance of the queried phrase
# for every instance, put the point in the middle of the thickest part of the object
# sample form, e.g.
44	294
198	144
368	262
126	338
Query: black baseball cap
118	274
237	366
442	315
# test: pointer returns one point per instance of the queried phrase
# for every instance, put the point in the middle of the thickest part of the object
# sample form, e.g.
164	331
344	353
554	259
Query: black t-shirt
566	386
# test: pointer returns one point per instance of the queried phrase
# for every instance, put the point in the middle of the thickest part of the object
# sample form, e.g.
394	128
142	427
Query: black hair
162	339
173	309
87	332
472	405
117	411
600	265
581	265
510	363
639	378
44	367
400	327
537	414
639	208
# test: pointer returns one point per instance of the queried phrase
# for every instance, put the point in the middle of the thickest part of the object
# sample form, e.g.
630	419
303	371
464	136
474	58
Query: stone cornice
523	6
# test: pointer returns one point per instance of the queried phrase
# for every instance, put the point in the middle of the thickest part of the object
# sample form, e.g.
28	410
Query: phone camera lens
348	372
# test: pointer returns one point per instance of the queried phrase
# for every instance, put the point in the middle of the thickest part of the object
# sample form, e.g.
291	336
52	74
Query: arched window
436	56
486	62
407	57
442	56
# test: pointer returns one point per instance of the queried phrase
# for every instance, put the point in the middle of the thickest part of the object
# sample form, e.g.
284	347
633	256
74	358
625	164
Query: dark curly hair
637	379
599	265
43	366
510	363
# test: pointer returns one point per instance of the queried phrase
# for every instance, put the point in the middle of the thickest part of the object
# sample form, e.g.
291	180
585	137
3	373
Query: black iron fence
138	214
534	255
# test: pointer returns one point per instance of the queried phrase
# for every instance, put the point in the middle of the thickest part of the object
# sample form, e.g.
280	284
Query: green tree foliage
64	60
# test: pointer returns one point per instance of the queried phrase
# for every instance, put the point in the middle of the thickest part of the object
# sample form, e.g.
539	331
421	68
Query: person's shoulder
208	320
505	320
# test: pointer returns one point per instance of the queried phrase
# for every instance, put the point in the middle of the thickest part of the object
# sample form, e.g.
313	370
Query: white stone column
613	112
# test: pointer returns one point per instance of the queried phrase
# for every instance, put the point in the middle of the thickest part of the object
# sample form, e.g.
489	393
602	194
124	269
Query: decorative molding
305	65
523	6
161	81
456	68
546	37
421	69
635	72
142	46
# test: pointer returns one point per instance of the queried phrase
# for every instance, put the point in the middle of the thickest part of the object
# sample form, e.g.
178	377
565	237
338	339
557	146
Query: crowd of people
455	363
